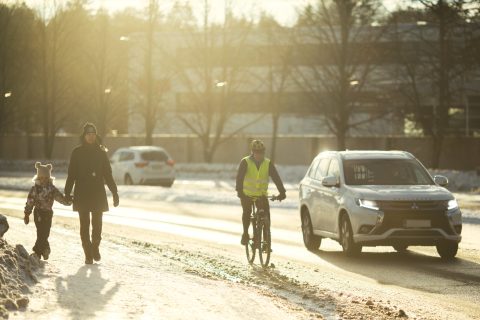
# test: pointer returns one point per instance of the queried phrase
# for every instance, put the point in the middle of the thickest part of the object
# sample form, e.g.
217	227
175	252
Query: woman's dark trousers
90	246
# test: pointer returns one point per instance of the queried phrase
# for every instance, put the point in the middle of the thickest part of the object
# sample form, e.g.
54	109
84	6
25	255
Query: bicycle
261	238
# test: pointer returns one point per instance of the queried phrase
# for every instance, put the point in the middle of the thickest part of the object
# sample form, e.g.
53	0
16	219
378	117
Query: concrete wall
458	153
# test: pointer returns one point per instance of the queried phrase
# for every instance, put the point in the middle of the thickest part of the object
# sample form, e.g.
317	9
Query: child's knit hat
43	171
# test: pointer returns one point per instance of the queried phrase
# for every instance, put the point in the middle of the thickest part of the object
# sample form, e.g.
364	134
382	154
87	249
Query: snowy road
380	281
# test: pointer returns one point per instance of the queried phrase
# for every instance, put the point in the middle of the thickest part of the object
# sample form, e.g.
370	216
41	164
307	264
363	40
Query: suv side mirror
442	181
330	181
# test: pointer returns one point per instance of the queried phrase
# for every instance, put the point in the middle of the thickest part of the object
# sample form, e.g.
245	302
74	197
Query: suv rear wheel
401	248
350	248
311	241
128	180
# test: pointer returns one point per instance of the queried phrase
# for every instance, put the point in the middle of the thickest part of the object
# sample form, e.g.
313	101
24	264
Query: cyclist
252	183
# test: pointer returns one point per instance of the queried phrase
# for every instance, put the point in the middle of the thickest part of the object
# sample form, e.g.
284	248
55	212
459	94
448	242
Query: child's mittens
26	218
69	199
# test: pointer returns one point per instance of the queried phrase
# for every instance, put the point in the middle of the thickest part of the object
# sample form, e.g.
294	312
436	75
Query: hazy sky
283	10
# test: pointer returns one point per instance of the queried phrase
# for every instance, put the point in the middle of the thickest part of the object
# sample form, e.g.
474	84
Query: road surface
198	243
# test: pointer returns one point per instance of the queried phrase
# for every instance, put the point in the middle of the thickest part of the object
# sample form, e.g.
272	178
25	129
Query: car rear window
385	172
154	156
126	156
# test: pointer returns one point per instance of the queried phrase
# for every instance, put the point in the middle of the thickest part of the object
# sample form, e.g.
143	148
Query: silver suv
377	198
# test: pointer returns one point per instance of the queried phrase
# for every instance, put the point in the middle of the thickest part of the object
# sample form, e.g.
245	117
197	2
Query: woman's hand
26	218
116	200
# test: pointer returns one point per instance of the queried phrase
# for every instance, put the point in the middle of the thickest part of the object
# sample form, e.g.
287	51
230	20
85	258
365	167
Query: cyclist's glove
282	196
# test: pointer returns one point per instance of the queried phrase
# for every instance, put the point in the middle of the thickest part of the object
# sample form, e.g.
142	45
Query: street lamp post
5	96
221	85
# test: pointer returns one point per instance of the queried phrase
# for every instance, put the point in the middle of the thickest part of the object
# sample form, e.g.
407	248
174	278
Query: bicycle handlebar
271	198
274	198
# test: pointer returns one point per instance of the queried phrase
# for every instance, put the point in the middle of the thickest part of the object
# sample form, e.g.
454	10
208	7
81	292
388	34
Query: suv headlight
452	204
368	204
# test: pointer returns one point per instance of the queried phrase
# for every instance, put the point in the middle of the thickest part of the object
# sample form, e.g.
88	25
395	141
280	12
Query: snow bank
459	180
16	273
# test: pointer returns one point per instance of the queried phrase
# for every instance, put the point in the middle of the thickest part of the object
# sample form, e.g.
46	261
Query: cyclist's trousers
247	203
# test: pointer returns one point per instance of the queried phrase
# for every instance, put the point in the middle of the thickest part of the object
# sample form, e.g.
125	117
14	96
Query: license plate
157	167
418	223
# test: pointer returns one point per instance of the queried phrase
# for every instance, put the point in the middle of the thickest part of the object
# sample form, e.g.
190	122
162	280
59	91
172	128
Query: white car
377	198
143	165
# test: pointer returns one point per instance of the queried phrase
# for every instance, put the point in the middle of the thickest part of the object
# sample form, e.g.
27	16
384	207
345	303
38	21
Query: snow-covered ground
215	184
465	181
191	171
133	282
190	191
156	252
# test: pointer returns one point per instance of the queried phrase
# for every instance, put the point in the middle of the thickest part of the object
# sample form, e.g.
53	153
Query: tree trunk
437	151
29	146
1	144
208	155
441	118
149	132
208	150
48	140
341	140
275	120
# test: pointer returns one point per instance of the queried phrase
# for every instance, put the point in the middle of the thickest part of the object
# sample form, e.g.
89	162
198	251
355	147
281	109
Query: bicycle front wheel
264	249
250	247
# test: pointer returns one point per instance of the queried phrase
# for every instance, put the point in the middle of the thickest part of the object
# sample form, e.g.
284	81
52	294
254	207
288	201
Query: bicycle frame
261	226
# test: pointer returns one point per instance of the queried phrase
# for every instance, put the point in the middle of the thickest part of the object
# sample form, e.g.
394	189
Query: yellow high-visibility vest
255	183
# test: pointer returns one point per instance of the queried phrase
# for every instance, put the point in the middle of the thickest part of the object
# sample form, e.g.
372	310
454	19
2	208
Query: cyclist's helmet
257	145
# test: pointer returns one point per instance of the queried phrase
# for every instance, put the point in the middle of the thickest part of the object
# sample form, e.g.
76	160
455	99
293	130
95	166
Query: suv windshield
385	172
154	156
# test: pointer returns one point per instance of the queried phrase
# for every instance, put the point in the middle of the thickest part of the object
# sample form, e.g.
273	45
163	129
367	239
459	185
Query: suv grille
397	212
412	205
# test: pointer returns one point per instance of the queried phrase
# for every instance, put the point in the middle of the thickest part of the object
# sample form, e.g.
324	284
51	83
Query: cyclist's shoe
245	239
266	248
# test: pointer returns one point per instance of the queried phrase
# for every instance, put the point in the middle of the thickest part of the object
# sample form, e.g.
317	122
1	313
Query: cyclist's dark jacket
273	173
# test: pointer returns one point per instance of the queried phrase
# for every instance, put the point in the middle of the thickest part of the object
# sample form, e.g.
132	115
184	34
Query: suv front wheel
447	249
350	248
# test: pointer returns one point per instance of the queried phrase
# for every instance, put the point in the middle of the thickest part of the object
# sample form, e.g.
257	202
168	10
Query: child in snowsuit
41	197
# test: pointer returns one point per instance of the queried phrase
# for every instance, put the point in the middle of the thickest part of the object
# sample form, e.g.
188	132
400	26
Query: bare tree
105	61
150	85
59	67
278	51
340	38
430	73
214	74
17	24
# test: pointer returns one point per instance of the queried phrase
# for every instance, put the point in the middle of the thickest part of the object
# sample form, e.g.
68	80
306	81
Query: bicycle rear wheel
250	246
264	248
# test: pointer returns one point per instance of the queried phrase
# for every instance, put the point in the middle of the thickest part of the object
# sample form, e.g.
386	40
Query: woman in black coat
89	169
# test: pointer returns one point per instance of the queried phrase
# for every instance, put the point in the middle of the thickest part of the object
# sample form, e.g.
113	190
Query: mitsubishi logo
415	206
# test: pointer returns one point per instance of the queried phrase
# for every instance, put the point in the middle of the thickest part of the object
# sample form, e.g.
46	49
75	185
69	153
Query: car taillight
170	162
141	164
